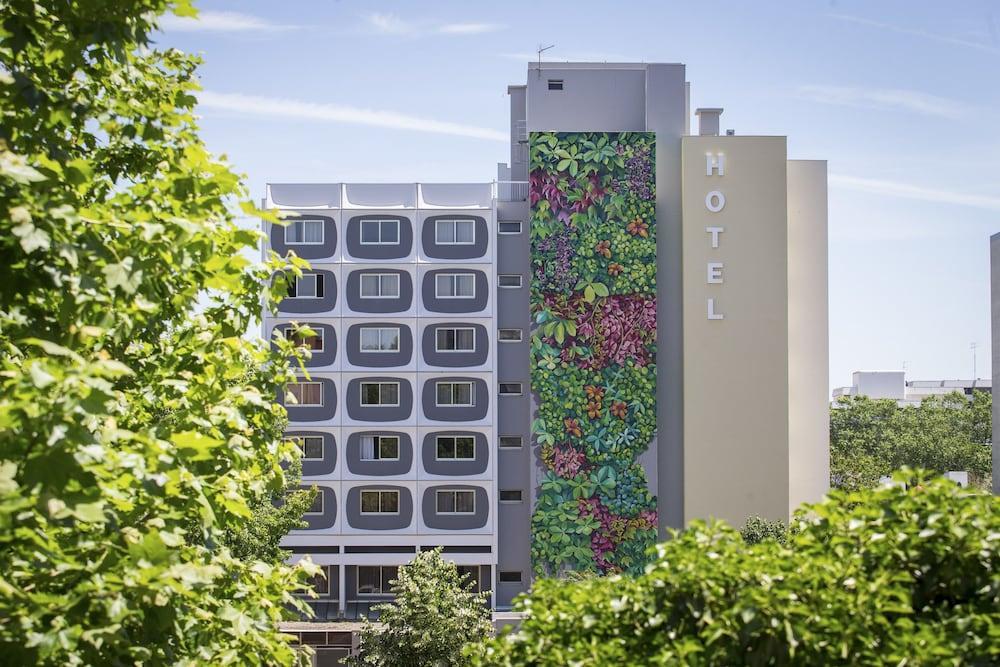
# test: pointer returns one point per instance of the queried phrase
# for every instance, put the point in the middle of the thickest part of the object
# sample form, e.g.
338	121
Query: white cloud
391	24
468	28
955	41
917	192
886	98
338	113
219	22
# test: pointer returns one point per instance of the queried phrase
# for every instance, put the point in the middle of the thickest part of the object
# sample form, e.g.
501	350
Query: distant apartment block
894	385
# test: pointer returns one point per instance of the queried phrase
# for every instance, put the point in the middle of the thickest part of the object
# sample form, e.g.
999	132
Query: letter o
715	201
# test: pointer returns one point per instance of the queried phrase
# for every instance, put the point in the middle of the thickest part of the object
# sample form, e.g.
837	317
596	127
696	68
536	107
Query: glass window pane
367	448
369	285
465	501
444	231
445	501
390	339
313	231
370	340
444	393
445	448
389	574
466	339
463	393
465	448
389	448
465	285
465	231
368	579
390	231
369	393
369	501
390	501
293	233
317	504
313	448
306	285
369	231
390	394
390	285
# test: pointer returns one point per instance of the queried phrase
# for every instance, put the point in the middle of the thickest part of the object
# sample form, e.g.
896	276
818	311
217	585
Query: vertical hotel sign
715	201
593	348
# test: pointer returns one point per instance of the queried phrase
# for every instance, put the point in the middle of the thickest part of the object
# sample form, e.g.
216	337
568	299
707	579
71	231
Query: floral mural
593	348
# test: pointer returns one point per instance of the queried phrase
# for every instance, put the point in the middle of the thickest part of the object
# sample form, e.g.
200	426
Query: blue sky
901	97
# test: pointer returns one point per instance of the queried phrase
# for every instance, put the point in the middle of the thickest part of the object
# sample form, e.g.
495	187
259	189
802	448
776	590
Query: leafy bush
872	438
433	616
137	423
757	529
888	576
593	350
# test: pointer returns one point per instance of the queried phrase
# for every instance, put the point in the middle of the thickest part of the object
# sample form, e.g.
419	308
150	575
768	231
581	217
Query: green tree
757	529
871	438
896	575
434	615
137	423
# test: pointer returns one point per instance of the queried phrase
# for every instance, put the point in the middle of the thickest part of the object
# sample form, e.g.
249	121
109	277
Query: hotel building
632	309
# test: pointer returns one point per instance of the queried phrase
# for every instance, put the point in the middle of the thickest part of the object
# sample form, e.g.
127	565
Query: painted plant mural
593	348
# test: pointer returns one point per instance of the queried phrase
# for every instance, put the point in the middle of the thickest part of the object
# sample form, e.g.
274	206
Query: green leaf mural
593	348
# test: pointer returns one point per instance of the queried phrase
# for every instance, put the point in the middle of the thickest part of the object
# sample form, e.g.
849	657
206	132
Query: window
455	339
509	577
313	342
306	286
304	232
470	574
511	389
510	335
317	503
380	285
510	442
555	84
379	232
454	394
380	502
311	446
384	394
380	339
379	448
509	280
454	232
321	582
306	393
456	448
455	286
456	502
508	226
510	495
376	579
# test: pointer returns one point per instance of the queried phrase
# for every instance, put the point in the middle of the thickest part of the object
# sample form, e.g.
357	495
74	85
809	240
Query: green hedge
888	576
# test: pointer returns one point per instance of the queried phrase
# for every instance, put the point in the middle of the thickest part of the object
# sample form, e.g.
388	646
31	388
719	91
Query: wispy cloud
917	192
916	32
220	22
885	98
276	107
391	24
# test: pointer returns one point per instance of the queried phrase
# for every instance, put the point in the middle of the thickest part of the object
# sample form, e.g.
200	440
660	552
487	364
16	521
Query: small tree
435	614
757	529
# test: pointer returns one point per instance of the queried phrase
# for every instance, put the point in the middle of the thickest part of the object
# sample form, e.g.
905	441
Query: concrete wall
808	334
736	372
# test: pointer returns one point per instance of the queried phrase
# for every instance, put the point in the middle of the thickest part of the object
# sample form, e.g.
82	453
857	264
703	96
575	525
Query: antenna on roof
973	346
541	50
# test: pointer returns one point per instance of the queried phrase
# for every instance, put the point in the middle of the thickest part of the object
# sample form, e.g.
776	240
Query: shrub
757	529
888	576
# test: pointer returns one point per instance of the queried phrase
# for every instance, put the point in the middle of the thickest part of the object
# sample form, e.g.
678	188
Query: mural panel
593	348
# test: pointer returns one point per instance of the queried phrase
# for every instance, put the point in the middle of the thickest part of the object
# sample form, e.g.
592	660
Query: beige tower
756	435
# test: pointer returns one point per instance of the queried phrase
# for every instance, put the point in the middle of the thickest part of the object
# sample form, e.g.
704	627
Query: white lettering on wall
715	231
714	273
715	201
712	315
715	162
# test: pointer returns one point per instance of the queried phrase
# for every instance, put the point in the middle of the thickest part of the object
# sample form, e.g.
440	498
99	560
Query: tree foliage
887	576
757	529
434	615
137	424
872	438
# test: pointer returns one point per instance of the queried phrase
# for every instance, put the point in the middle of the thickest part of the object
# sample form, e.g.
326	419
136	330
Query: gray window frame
380	275
454	225
361	339
383	582
288	390
472	394
379	221
456	457
455	277
520	335
361	502
455	492
322	231
438	330
361	389
501	223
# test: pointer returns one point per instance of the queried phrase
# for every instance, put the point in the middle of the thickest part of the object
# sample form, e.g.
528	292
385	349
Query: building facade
894	385
627	331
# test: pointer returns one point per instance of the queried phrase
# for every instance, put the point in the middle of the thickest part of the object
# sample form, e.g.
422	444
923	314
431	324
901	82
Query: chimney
708	121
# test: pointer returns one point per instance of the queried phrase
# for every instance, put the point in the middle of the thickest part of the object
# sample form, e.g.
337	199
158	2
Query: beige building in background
756	432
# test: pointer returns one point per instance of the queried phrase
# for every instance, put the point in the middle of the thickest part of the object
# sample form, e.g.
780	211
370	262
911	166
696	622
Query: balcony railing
512	190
